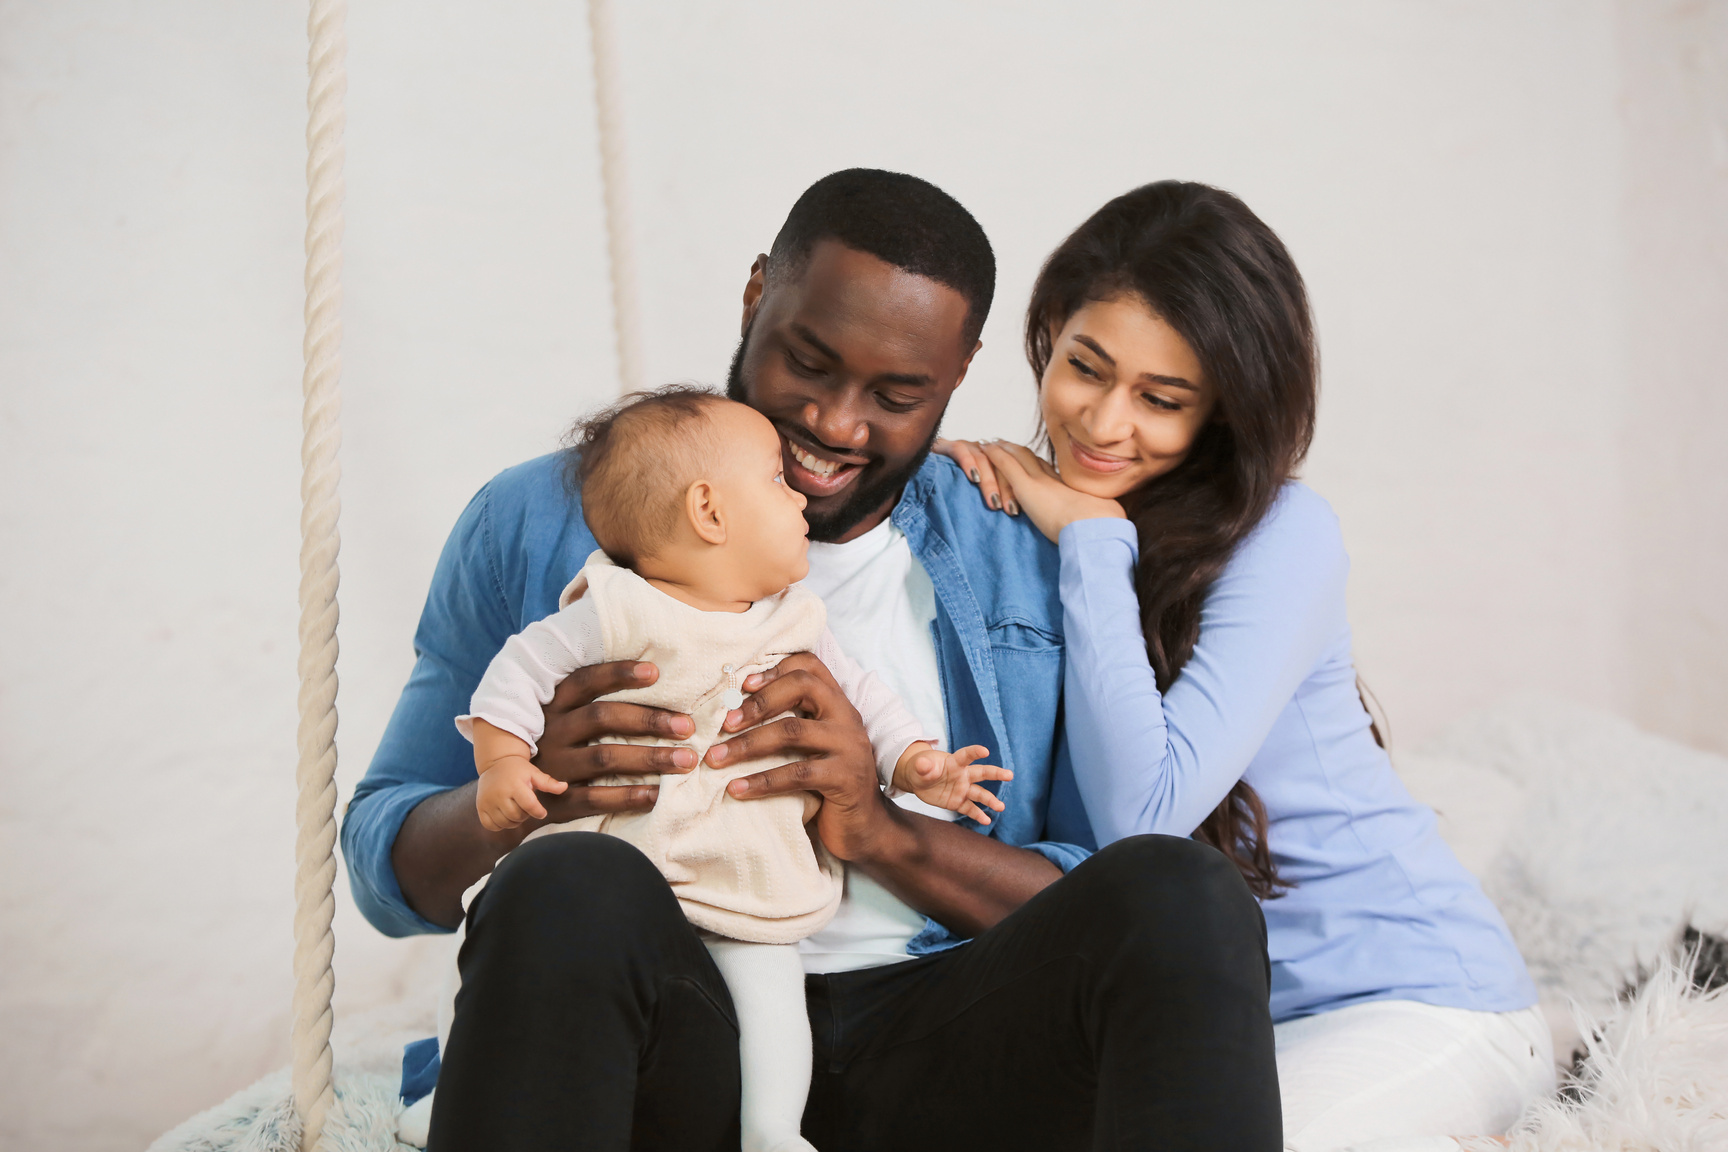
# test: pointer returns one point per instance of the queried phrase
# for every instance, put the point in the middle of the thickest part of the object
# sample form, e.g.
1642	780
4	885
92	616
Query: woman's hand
969	454
1034	486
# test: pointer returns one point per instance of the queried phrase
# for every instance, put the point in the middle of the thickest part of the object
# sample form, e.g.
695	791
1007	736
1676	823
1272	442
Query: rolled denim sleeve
467	618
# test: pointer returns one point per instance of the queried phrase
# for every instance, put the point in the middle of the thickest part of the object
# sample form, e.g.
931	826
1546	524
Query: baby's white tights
767	986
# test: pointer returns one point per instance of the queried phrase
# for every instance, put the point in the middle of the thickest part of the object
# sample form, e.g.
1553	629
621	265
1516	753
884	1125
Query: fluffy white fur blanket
1596	841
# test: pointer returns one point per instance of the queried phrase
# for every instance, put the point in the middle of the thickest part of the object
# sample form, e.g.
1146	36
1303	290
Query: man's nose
837	421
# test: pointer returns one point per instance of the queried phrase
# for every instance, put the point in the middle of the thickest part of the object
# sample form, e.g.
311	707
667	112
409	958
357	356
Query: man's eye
800	367
894	404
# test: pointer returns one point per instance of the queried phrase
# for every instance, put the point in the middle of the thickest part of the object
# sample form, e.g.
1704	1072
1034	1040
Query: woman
1210	689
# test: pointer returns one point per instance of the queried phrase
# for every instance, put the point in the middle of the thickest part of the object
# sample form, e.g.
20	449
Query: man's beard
868	493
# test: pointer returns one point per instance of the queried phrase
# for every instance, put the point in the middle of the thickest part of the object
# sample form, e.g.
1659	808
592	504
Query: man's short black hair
900	220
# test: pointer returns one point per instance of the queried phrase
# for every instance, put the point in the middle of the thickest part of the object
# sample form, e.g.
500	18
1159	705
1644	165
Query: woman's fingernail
996	501
974	475
1013	508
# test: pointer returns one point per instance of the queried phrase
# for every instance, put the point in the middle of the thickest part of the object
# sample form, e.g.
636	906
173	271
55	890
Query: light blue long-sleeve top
1381	908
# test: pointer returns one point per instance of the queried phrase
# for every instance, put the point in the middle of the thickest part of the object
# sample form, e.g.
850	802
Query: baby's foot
414	1126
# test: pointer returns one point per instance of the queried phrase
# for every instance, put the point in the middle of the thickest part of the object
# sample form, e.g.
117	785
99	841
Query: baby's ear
702	509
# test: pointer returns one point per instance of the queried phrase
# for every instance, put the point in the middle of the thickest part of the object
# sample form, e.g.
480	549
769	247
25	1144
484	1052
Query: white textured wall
1675	252
1511	217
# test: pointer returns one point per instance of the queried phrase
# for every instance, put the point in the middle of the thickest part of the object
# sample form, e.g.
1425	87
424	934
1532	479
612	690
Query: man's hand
442	848
825	731
573	719
967	881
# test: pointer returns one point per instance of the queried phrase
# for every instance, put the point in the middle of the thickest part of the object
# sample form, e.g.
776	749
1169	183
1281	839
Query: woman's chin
1108	485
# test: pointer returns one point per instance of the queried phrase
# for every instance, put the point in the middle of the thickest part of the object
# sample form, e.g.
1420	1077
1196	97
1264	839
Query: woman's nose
1111	419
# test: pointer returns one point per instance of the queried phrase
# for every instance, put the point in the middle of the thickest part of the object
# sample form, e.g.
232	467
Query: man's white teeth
823	468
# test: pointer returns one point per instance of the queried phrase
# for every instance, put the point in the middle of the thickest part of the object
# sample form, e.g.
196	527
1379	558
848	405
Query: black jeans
1124	1007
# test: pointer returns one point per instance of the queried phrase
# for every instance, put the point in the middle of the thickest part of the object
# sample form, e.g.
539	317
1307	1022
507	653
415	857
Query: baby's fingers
548	784
530	805
987	772
985	797
973	812
970	753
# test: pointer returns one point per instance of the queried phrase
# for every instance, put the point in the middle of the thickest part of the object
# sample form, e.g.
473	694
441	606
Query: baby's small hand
506	795
951	779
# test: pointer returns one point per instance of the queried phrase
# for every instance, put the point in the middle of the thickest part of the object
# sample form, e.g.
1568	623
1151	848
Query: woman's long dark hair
1223	280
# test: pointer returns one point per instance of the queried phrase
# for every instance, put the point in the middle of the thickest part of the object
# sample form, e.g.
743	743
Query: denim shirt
998	636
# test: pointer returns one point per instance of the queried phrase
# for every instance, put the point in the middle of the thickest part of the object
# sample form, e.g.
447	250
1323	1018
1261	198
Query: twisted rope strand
315	810
614	184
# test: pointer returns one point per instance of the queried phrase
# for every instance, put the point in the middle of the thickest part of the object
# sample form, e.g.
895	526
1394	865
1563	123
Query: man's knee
1159	882
579	884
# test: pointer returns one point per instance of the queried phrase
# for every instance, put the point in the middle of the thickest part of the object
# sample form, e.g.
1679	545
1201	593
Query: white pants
774	1057
1395	1074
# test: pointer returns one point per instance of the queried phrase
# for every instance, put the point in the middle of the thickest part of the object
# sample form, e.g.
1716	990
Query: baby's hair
633	461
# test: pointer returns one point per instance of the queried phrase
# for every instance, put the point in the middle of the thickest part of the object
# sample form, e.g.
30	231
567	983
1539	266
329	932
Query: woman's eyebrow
1169	381
1149	377
1082	338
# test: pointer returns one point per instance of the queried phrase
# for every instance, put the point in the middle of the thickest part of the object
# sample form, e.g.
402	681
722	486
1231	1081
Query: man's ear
702	509
967	363
753	289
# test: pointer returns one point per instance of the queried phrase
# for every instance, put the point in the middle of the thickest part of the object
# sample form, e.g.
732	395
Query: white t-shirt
881	606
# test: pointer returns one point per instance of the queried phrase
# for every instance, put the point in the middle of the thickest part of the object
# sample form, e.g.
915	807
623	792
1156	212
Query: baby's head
683	485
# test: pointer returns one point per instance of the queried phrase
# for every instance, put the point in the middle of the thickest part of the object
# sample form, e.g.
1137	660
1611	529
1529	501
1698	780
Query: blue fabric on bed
419	1069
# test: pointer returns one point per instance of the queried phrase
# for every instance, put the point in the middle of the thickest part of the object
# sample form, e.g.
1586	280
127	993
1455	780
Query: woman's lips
1095	461
815	475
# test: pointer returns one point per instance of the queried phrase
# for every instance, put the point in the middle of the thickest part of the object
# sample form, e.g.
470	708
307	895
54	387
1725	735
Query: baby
703	545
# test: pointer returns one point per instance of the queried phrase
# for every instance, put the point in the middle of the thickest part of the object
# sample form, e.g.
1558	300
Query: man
962	997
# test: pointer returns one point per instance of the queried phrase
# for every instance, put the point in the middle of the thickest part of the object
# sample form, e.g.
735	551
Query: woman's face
1123	397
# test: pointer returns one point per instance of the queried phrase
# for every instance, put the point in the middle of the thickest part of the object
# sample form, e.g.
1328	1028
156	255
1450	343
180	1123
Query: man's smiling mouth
813	473
822	468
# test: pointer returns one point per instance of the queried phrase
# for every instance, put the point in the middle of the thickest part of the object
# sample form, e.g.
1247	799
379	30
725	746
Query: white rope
315	811
609	115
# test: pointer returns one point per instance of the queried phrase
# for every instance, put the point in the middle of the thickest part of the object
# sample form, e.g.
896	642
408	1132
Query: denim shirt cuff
369	830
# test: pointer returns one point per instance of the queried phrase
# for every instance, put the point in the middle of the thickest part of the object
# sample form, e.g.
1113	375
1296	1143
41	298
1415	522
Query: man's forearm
953	875
442	850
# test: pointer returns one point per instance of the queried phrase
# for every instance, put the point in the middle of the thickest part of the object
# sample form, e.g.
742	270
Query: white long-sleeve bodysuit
743	869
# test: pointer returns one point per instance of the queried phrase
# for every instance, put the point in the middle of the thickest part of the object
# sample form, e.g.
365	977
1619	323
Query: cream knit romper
745	869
